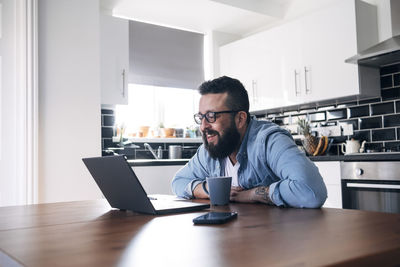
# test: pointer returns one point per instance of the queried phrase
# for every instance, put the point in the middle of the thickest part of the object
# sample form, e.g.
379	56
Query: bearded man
262	159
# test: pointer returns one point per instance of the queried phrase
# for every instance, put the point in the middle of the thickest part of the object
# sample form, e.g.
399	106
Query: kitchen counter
90	233
388	156
379	156
157	162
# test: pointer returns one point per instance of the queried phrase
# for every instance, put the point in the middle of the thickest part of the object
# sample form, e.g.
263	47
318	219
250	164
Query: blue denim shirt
268	156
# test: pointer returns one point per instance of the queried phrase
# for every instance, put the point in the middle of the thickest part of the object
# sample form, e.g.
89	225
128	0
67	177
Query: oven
371	185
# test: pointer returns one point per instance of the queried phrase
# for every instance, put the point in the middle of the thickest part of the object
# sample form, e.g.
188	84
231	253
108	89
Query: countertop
388	156
379	156
90	233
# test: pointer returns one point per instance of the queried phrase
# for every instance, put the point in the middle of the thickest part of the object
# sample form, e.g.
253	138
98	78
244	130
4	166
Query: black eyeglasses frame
198	117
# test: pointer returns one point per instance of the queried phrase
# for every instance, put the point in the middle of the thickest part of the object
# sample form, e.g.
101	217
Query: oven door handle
383	186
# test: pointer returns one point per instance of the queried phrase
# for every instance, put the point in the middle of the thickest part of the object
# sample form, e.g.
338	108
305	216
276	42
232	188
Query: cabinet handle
296	91
123	83
307	83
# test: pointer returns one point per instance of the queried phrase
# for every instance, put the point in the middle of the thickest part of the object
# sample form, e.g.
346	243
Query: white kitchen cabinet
114	59
257	66
304	60
330	172
157	179
324	40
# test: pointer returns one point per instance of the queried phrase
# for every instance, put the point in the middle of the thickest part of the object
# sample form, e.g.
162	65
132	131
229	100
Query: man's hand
257	194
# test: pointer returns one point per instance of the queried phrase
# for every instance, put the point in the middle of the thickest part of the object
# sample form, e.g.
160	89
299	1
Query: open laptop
123	190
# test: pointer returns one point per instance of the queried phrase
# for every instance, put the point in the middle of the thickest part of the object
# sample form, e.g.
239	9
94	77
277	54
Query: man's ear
241	119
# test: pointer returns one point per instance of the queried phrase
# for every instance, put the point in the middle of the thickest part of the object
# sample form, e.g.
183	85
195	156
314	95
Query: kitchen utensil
175	152
351	146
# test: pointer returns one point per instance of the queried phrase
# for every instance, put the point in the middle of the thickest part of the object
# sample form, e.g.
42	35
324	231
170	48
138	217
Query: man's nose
204	124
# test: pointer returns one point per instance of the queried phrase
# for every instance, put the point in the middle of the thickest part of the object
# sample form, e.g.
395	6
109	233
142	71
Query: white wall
69	98
8	105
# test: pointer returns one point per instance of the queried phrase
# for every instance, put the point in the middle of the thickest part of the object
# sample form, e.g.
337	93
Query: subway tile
338	139
337	114
374	146
298	117
393	146
397	106
107	111
396	80
362	135
383	134
382	108
390	69
107	132
369	123
354	122
359	111
333	150
391	120
389	94
108	120
369	101
107	142
387	81
317	116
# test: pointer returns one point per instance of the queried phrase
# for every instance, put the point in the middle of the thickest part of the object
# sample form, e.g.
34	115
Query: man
264	162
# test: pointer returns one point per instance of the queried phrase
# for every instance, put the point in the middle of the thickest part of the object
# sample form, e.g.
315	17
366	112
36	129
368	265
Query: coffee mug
219	189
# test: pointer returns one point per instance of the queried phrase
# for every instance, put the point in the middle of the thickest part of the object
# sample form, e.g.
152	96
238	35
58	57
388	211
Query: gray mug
219	189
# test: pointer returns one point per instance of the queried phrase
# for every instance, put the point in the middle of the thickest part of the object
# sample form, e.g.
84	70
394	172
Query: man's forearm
261	194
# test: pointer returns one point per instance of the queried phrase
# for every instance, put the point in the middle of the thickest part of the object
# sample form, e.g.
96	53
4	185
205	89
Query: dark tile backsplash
396	79
362	135
383	134
360	111
387	81
392	120
383	108
337	114
376	120
370	123
390	94
390	69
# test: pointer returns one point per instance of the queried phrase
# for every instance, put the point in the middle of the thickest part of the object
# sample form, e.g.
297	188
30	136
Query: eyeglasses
211	116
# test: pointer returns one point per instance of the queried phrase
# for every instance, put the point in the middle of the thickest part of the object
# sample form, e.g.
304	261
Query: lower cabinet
157	179
330	172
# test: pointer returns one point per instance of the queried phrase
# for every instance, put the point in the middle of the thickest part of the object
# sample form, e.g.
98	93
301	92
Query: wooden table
89	233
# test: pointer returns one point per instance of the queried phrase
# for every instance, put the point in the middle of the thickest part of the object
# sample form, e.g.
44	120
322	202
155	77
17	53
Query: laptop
123	190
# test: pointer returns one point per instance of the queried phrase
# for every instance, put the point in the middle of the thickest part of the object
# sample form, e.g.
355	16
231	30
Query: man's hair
237	99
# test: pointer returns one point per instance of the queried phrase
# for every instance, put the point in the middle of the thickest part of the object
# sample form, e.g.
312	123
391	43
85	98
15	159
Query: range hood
386	52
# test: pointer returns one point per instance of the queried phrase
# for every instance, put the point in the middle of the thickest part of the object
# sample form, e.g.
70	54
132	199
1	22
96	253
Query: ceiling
236	17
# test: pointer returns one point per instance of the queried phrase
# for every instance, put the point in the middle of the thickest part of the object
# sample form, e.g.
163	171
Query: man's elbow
315	197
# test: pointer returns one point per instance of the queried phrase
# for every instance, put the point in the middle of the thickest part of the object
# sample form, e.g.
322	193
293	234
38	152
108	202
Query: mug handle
343	148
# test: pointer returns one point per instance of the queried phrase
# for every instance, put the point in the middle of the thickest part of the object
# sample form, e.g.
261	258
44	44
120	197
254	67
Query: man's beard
228	142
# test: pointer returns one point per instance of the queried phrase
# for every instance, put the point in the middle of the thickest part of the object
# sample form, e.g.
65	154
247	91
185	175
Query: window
152	105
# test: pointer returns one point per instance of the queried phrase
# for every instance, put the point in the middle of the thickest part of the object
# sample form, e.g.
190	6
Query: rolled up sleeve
300	184
187	178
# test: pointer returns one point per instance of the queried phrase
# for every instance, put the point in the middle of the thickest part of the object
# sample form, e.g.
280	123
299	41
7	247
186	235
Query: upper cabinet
114	59
303	60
